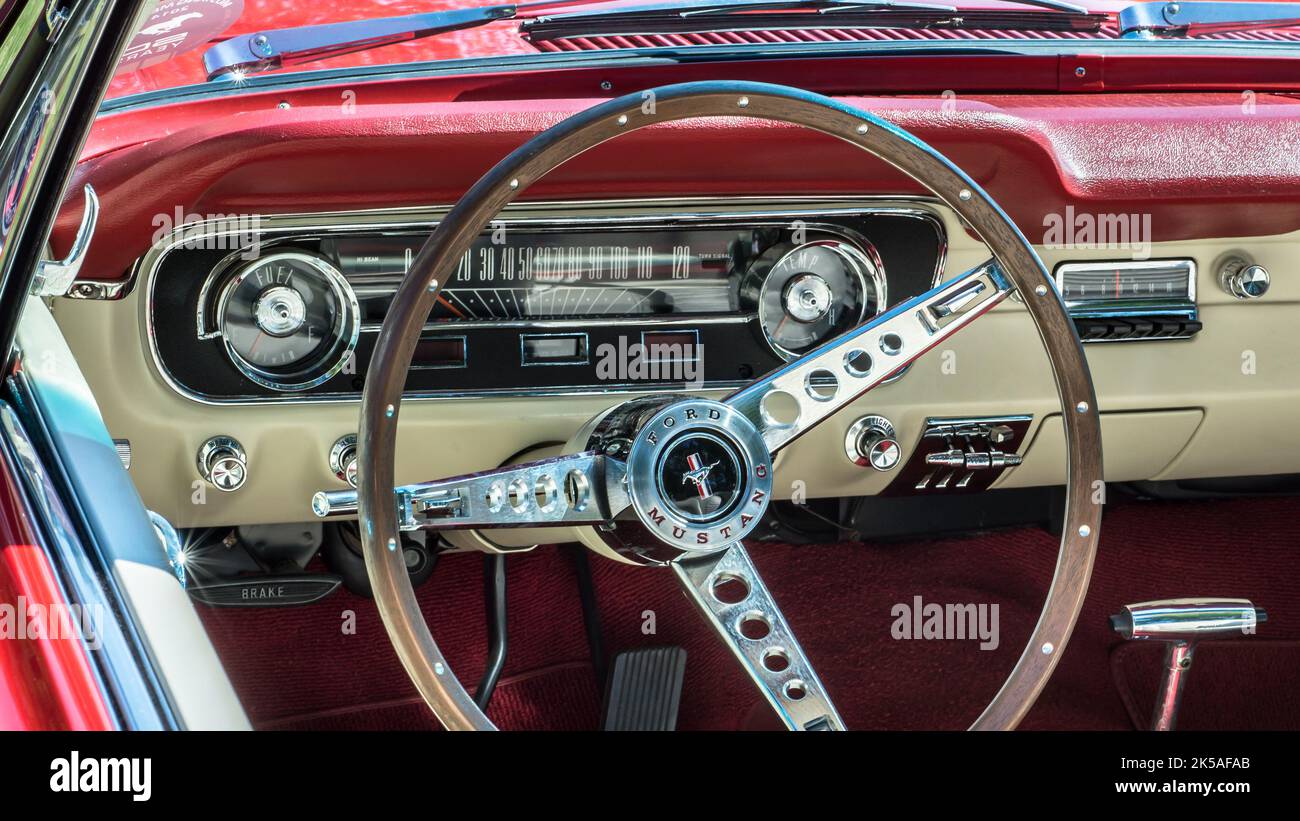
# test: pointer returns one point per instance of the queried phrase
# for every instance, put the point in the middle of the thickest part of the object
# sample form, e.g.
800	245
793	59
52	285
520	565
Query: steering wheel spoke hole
495	497
821	385
776	660
728	588
857	363
546	492
779	408
891	344
577	490
754	625
518	493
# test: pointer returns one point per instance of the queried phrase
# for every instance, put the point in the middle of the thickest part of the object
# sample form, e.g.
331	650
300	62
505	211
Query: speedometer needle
442	300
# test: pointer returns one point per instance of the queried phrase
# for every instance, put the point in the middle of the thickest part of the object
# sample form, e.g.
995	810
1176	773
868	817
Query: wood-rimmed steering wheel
621	480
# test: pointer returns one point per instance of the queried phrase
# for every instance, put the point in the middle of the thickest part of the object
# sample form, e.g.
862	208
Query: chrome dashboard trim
424	218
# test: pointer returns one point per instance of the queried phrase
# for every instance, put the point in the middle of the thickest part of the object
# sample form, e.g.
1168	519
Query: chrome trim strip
425	218
562	324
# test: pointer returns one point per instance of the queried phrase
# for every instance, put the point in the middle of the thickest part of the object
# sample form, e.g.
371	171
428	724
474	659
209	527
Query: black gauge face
815	292
289	321
522	276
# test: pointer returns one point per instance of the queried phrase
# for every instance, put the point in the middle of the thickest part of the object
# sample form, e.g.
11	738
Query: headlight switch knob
222	462
343	459
871	441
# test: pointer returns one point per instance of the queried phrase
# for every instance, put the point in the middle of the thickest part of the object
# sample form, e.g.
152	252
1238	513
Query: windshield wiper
266	50
275	48
1151	20
766	15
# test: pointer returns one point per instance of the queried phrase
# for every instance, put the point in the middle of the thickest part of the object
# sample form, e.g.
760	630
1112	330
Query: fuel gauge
289	320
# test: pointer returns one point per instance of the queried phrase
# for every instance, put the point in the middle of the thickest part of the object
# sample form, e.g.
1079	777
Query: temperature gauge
808	294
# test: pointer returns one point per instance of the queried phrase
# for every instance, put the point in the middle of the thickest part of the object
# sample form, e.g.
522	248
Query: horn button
699	475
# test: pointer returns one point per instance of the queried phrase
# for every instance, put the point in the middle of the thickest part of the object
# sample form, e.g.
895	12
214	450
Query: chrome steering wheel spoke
727	587
821	382
586	488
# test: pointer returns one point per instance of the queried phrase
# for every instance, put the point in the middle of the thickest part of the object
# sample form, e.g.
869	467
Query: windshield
169	49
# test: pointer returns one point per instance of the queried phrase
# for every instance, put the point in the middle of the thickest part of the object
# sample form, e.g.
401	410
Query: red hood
168	52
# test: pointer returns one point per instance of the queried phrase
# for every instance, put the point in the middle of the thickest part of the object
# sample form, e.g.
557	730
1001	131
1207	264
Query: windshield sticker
175	27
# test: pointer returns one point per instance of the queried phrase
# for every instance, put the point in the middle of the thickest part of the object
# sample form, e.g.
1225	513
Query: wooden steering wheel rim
381	399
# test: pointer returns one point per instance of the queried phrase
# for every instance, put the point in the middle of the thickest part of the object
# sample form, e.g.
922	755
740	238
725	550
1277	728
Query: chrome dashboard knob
222	462
1244	280
343	459
871	441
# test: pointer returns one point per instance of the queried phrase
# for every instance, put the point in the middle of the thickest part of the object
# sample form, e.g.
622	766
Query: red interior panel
1198	163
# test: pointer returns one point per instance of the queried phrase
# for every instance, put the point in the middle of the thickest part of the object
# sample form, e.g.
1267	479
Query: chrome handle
55	278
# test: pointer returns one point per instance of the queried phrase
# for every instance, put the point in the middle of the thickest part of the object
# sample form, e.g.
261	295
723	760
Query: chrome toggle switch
222	462
872	441
973	460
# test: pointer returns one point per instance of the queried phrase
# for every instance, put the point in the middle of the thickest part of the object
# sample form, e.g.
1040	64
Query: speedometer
289	320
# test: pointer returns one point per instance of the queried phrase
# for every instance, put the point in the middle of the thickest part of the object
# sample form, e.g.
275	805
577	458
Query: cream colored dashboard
1170	408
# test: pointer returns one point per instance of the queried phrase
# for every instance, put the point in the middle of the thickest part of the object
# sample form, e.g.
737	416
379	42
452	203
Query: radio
1130	300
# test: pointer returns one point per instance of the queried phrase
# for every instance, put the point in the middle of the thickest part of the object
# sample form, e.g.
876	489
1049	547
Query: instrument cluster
607	302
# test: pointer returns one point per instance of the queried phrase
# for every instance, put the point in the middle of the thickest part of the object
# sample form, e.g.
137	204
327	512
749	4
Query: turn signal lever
1182	623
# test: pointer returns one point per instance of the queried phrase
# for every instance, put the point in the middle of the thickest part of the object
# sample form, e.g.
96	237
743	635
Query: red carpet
296	668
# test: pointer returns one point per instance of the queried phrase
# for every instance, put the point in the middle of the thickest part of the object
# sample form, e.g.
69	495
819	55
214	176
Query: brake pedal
1181	623
645	689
